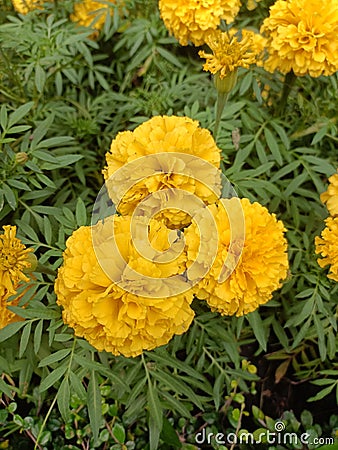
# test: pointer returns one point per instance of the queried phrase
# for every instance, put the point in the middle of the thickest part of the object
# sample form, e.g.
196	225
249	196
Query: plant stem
222	98
289	81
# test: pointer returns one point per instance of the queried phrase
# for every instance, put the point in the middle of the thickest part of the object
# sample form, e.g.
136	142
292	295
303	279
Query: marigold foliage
327	247
105	312
330	197
161	135
255	268
229	53
193	20
302	36
14	259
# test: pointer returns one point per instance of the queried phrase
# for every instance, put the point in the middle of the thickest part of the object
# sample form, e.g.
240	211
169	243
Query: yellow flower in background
89	13
156	138
193	20
14	260
252	4
24	6
116	309
327	247
330	197
302	36
252	268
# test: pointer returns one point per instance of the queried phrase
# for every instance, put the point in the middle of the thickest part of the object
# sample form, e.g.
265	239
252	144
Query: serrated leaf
19	113
81	212
54	357
52	378
155	408
9	196
24	338
37	336
9	330
257	326
77	386
63	399
94	405
177	386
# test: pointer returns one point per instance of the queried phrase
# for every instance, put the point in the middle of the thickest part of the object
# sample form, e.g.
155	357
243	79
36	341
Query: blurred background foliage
64	97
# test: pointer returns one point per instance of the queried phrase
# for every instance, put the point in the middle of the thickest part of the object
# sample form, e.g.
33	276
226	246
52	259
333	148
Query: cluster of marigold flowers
120	298
298	35
327	244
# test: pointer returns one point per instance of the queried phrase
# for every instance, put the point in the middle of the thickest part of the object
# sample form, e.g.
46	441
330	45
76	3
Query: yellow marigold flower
302	36
244	275
164	140
327	247
24	6
330	197
14	260
107	302
89	13
193	20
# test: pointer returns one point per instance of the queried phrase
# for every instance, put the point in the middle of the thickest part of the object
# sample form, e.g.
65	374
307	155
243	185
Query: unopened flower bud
21	158
32	259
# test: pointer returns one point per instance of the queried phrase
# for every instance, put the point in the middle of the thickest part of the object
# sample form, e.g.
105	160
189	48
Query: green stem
289	81
222	98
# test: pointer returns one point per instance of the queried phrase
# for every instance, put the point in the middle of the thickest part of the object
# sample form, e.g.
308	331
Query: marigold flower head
89	13
330	197
327	247
193	20
24	6
176	148
14	260
252	268
116	309
229	53
302	36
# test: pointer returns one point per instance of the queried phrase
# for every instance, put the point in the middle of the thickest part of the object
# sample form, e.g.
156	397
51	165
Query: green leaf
19	113
273	146
321	394
54	357
177	386
154	434
9	195
37	336
63	399
5	389
169	435
81	213
3	117
9	330
94	405
77	386
258	328
169	56
155	408
40	78
24	338
52	378
119	432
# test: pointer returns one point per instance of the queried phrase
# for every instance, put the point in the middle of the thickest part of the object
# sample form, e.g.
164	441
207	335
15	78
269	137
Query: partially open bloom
330	197
14	260
89	13
193	20
248	267
327	247
229	53
118	297
177	156
302	36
